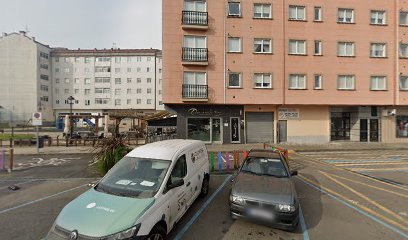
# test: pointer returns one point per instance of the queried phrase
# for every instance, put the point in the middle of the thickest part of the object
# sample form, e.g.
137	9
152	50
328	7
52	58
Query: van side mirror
293	173
175	184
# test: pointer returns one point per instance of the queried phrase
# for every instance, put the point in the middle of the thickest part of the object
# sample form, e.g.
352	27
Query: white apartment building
25	78
106	80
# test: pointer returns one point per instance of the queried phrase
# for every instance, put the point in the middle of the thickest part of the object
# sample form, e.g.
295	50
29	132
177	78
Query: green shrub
111	152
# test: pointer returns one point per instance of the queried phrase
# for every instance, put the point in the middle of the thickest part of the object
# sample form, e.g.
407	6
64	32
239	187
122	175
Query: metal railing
195	18
195	54
193	91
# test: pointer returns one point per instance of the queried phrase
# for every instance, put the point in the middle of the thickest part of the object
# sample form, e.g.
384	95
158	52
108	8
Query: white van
141	197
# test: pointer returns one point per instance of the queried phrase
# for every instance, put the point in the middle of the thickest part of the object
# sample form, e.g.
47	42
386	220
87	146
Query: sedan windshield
265	166
134	177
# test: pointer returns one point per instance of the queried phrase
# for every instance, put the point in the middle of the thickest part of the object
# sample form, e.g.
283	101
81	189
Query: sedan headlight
237	200
124	234
286	208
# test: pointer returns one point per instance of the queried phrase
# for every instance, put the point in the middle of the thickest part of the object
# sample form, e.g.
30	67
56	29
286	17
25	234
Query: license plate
260	213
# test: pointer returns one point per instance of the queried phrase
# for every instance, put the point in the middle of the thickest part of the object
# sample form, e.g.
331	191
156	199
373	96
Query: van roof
165	150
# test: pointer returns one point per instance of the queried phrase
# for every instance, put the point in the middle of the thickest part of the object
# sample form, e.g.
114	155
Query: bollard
11	152
3	157
227	158
235	160
245	155
58	141
212	162
220	161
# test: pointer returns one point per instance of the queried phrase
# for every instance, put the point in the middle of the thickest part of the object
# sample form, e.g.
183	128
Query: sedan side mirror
294	173
176	183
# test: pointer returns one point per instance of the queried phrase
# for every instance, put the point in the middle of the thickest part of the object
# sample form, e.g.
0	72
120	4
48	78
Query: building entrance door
283	131
373	130
340	126
363	130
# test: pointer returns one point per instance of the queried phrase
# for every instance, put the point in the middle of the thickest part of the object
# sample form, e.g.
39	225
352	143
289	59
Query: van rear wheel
157	233
205	187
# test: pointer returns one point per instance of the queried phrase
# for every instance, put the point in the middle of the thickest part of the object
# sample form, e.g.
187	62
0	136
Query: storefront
395	125
210	123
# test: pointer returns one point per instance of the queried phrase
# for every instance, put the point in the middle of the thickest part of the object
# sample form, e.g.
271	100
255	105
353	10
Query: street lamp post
71	100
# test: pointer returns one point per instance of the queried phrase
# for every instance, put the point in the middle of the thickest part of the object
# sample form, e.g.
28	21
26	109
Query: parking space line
303	225
40	199
395	215
322	189
371	163
186	227
378	169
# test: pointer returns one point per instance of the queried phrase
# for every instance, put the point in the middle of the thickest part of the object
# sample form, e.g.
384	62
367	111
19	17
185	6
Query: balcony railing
195	54
192	91
195	18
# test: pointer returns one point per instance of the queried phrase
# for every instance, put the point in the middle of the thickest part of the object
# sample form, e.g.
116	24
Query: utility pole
71	100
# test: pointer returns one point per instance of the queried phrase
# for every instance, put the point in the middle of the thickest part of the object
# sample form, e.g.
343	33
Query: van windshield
134	177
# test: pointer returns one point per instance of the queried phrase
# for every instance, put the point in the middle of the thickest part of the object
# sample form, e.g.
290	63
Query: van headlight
286	208
128	233
237	200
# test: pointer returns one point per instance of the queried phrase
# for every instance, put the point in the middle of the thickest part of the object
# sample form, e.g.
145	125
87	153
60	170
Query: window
160	92
102	80
378	17
318	48
86	70
103	59
87	59
57	101
57	80
66	70
129	80
102	69
378	83
262	10
44	55
148	69
129	70
234	80
149	101
129	59
378	50
297	47
195	78
56	59
149	59
57	91
101	100
76	80
234	9
139	90
345	15
318	82
297	81
117	70
317	14
138	59
67	60
262	46
76	69
118	81
117	59
234	44
87	91
117	102
44	98
57	70
87	102
66	91
149	90
129	91
195	5
44	88
160	70
139	69
160	102
403	18
345	82
44	77
118	91
404	50
76	90
138	101
44	66
66	80
129	101
77	59
345	49
404	82
263	80
149	80
297	13
87	81
139	80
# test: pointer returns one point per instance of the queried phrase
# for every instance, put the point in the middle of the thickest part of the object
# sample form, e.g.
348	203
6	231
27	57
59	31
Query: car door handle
188	184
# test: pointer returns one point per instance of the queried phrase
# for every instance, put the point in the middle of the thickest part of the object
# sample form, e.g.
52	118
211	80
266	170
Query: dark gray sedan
263	191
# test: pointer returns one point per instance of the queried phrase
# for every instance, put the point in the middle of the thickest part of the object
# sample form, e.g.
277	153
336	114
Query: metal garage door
259	127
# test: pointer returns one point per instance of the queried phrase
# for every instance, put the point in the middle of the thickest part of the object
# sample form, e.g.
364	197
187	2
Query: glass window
129	70
297	81
378	83
87	59
129	80
345	15
318	81
87	91
234	44
180	169
66	80
87	102
318	14
129	101
149	90
262	10
139	80
195	78
199	129
138	101
345	49
297	47
117	59
118	91
378	17
345	82
234	9
87	81
149	101
404	50
402	126
263	46
378	50
404	82
297	13
192	41
263	80
149	80
117	102
234	80
118	81
403	18
318	48
195	5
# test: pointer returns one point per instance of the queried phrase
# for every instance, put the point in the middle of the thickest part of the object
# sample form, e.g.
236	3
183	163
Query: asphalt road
337	203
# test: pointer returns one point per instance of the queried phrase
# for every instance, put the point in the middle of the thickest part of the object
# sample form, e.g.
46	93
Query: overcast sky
86	23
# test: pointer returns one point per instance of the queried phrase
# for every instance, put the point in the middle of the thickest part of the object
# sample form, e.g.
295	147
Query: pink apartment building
287	70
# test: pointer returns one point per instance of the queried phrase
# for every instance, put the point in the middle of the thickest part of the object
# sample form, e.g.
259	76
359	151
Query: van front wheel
205	187
157	233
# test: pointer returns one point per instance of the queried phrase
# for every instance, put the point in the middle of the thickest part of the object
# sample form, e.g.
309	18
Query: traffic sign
37	119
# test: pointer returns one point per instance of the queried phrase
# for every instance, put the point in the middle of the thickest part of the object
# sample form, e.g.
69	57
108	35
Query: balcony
195	20
195	56
193	92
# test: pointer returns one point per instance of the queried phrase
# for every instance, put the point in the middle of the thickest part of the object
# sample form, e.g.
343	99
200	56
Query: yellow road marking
390	221
317	162
371	186
370	164
367	198
376	169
